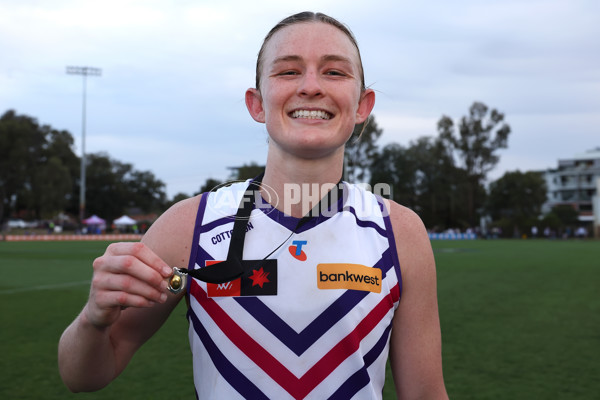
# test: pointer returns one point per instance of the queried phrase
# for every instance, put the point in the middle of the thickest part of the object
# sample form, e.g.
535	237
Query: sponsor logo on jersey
296	250
262	281
226	235
348	276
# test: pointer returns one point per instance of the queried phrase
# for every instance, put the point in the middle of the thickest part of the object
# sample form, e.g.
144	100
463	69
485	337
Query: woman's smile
311	114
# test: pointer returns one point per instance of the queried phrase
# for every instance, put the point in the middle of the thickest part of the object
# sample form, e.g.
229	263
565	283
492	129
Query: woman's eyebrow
335	57
327	57
287	59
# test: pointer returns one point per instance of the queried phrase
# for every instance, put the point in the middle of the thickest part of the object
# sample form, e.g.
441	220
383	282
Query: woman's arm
128	301
416	347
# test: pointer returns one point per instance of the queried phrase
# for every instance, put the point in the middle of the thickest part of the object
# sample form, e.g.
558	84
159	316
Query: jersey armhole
196	239
391	241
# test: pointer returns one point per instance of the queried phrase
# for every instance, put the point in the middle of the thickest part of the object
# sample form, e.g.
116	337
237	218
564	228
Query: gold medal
178	281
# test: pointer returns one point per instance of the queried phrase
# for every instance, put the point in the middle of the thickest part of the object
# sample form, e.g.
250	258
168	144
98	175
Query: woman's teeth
312	114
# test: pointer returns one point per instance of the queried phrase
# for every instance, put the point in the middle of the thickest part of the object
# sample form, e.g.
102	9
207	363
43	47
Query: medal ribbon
235	266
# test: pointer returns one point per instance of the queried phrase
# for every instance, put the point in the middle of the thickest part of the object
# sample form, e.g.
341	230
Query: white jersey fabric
318	326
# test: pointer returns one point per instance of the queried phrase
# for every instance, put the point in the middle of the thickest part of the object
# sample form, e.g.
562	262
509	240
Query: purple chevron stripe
217	222
361	377
392	242
300	342
231	374
201	257
365	224
197	228
290	222
281	218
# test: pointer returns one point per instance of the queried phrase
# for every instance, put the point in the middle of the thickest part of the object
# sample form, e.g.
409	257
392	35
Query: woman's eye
288	73
335	73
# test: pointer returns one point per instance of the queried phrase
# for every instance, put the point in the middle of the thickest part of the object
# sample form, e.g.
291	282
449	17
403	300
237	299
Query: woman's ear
254	105
365	105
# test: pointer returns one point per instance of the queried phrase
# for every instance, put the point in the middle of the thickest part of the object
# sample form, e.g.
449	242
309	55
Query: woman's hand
128	274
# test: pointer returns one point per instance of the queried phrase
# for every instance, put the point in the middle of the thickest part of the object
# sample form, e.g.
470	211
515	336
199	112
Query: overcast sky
171	95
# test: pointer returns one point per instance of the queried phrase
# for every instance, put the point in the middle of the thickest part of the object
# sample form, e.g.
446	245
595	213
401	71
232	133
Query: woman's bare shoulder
171	235
405	221
412	241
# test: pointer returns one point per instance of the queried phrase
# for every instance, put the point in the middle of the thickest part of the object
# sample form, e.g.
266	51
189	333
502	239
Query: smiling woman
302	77
288	303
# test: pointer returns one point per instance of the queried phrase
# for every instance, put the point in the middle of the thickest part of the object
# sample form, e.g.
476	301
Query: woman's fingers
130	266
109	299
127	275
131	284
141	252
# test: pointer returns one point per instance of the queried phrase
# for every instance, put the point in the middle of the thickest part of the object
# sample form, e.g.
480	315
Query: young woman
299	307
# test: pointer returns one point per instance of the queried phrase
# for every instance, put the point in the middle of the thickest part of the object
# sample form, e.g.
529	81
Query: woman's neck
300	183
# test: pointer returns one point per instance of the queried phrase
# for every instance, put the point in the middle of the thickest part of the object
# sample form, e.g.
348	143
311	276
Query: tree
209	185
423	177
39	175
60	146
517	197
52	188
480	135
561	219
567	215
145	191
105	187
35	167
177	198
392	166
440	185
360	150
20	141
114	186
552	222
246	171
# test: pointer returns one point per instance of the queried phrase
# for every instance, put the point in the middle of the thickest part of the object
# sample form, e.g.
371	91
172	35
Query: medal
234	266
178	281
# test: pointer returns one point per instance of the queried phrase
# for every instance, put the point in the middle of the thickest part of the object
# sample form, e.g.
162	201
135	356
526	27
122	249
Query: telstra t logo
296	250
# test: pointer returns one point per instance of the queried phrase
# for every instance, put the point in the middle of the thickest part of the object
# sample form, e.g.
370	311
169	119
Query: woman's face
310	96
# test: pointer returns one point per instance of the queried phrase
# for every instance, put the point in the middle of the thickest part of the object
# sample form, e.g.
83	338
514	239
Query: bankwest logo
261	282
349	276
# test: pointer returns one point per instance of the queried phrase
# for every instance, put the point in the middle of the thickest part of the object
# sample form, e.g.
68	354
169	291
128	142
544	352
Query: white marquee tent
124	221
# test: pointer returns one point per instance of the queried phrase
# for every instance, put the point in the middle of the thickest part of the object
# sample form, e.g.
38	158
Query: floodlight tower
84	71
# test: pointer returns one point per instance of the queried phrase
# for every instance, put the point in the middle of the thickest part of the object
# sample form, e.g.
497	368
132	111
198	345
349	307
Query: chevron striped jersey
314	326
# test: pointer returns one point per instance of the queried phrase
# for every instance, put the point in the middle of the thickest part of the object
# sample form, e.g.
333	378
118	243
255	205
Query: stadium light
84	71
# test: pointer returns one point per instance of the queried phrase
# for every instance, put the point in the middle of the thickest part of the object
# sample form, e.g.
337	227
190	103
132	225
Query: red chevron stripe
277	371
296	387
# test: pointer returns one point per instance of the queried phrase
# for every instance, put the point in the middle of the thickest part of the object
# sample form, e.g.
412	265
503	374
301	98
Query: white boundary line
44	287
58	237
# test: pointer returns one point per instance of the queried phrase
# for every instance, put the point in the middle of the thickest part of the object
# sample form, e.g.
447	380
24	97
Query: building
574	183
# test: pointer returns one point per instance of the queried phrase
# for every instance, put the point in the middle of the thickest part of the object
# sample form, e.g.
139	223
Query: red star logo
259	277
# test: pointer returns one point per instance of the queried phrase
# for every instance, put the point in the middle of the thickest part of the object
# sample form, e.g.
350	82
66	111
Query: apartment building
574	183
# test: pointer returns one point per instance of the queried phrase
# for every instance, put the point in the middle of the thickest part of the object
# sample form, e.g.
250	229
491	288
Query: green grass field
520	320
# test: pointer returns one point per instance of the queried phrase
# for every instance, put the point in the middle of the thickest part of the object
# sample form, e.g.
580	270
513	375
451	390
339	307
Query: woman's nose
310	85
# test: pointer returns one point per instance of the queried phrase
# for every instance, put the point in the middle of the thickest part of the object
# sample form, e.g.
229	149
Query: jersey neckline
290	222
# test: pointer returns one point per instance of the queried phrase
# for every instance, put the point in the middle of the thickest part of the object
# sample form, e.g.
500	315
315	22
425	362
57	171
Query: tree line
40	176
442	177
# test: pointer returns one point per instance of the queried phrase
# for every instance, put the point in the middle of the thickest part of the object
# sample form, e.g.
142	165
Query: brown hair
308	16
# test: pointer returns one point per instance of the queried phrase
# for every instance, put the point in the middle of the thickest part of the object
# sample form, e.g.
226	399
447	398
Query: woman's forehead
310	39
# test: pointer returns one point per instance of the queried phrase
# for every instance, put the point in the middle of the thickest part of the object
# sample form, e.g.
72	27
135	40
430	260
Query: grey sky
170	99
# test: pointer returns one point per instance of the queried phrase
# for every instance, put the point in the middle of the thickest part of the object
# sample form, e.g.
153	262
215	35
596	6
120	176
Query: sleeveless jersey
316	325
